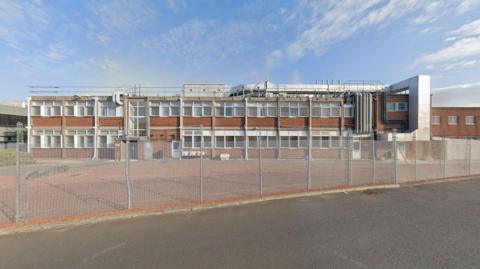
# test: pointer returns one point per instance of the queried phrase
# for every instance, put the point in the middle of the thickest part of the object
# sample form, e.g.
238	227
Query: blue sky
171	42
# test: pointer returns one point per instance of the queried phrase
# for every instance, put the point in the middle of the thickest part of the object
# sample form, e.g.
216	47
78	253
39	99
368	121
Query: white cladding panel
419	104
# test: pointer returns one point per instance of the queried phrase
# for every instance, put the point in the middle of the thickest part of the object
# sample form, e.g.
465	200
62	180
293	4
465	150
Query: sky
172	42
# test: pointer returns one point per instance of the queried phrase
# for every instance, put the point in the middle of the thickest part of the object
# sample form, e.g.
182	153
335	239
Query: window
197	141
84	108
436	120
230	109
294	141
46	138
391	107
82	138
137	121
46	108
397	106
106	138
36	109
334	142
452	120
284	141
197	109
69	141
469	120
110	109
36	141
165	108
335	110
187	142
11	120
69	109
194	139
262	109
326	110
219	141
272	142
294	109
79	108
402	106
348	111
252	142
230	141
265	141
207	141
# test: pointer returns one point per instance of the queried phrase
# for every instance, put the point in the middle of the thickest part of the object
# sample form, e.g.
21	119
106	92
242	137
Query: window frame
435	122
46	136
237	109
473	120
204	106
108	105
270	109
296	109
452	117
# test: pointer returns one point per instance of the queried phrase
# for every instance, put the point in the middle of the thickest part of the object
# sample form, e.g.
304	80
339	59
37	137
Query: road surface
430	226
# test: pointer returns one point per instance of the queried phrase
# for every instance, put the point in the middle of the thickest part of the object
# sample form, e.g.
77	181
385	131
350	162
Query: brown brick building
285	120
455	122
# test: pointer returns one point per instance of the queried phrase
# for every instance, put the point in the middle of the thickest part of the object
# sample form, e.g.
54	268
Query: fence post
18	213
309	164
260	168
349	157
127	172
201	170
469	156
444	157
373	153
394	148
415	158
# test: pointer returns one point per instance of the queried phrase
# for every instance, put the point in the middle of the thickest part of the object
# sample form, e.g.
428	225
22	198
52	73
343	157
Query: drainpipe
95	128
29	123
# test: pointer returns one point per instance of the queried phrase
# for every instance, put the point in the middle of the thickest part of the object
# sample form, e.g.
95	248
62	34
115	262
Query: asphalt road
430	226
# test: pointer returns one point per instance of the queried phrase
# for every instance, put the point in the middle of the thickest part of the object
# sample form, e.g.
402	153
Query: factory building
11	114
215	120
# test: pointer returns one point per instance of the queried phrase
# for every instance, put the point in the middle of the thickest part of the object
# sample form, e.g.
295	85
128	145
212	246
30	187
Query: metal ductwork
117	98
363	112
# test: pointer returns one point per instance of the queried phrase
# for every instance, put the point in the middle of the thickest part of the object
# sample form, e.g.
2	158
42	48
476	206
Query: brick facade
461	129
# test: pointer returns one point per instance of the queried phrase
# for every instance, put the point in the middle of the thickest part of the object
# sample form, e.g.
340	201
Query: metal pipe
127	172
201	169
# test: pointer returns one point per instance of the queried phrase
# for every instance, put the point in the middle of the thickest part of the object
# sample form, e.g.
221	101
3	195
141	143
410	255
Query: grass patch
9	157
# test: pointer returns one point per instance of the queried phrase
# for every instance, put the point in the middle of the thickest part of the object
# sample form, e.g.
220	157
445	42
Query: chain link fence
60	183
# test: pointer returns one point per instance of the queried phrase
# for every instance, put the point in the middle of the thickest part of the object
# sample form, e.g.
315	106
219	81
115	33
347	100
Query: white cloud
466	30
461	65
429	30
176	5
325	23
22	22
461	49
206	42
113	18
321	24
431	12
465	95
58	52
463	53
467	5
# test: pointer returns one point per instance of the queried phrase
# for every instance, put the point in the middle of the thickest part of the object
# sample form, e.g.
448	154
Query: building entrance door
176	151
133	151
357	149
